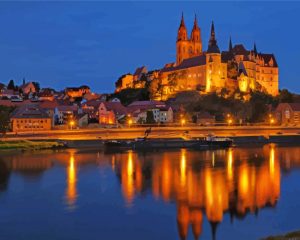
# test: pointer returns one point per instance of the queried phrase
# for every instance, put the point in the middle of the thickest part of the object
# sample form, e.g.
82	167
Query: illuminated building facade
212	70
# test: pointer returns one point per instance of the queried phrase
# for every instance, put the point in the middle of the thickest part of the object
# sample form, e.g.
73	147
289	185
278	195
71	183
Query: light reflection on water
204	185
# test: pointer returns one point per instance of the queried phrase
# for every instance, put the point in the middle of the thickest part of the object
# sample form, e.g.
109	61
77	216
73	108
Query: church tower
185	47
216	71
182	44
196	42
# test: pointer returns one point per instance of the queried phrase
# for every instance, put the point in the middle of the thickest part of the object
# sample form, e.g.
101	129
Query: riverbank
32	142
241	135
289	236
30	145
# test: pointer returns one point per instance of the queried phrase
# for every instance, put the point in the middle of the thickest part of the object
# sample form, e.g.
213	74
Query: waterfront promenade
156	132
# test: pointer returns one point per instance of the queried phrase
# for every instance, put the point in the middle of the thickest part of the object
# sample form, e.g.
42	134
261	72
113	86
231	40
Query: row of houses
31	90
58	113
46	115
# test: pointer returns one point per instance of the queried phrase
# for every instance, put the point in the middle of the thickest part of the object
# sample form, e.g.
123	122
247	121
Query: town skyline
140	42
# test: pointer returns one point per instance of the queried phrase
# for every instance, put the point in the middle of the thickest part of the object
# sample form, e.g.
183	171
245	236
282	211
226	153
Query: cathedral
211	70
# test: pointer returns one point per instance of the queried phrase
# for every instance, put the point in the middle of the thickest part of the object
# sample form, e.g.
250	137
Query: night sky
63	44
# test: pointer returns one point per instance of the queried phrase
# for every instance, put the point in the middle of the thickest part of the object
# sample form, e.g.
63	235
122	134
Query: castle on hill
210	70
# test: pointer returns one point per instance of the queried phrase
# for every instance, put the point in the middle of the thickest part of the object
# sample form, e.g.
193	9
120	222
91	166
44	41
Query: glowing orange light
71	192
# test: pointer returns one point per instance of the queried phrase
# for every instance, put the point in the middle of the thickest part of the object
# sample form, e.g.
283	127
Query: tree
155	89
4	119
11	85
173	80
150	117
130	95
285	96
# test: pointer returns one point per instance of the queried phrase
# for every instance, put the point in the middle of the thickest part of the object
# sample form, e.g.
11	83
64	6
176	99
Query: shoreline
30	143
90	138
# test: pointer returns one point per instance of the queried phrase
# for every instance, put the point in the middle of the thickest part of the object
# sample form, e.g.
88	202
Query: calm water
241	193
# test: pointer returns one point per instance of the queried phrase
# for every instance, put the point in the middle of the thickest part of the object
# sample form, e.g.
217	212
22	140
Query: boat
209	142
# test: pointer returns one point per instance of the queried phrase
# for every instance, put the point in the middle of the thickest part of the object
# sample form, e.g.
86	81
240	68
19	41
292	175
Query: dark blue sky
64	44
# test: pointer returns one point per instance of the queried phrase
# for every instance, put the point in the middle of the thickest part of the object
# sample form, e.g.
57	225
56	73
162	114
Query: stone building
211	70
30	118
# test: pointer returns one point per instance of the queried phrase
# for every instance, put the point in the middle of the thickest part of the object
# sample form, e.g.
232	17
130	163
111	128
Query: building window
287	114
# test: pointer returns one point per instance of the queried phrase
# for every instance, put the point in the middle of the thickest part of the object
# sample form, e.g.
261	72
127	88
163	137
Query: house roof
116	107
187	63
29	111
49	104
239	49
267	57
67	108
27	84
165	108
9	103
93	103
144	105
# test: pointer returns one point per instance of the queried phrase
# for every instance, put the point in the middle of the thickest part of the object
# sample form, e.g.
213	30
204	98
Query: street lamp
72	123
271	119
229	121
182	122
129	122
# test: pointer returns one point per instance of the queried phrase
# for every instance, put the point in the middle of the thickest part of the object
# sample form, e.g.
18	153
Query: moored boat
165	143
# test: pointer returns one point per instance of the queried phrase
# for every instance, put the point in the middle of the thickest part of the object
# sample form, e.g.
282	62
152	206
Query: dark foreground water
241	193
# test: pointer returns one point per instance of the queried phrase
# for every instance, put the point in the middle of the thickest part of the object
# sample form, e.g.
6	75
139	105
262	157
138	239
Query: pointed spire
212	30
230	45
254	48
195	21
212	45
182	20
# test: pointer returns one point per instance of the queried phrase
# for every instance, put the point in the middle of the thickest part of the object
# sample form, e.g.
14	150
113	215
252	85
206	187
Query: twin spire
182	24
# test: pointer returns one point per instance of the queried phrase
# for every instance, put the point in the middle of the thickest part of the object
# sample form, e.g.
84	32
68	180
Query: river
238	193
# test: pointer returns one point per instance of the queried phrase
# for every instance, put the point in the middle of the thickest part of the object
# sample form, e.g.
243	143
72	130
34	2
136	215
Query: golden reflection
71	191
230	165
183	167
272	159
131	177
127	180
235	181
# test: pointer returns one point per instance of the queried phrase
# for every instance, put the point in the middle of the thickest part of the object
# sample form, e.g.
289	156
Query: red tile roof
29	111
49	104
67	108
144	105
116	107
8	103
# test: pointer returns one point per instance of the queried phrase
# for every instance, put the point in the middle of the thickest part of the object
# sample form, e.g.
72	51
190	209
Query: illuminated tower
196	42
187	48
215	70
182	44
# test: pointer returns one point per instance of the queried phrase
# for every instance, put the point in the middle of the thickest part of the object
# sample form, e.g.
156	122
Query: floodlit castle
210	70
